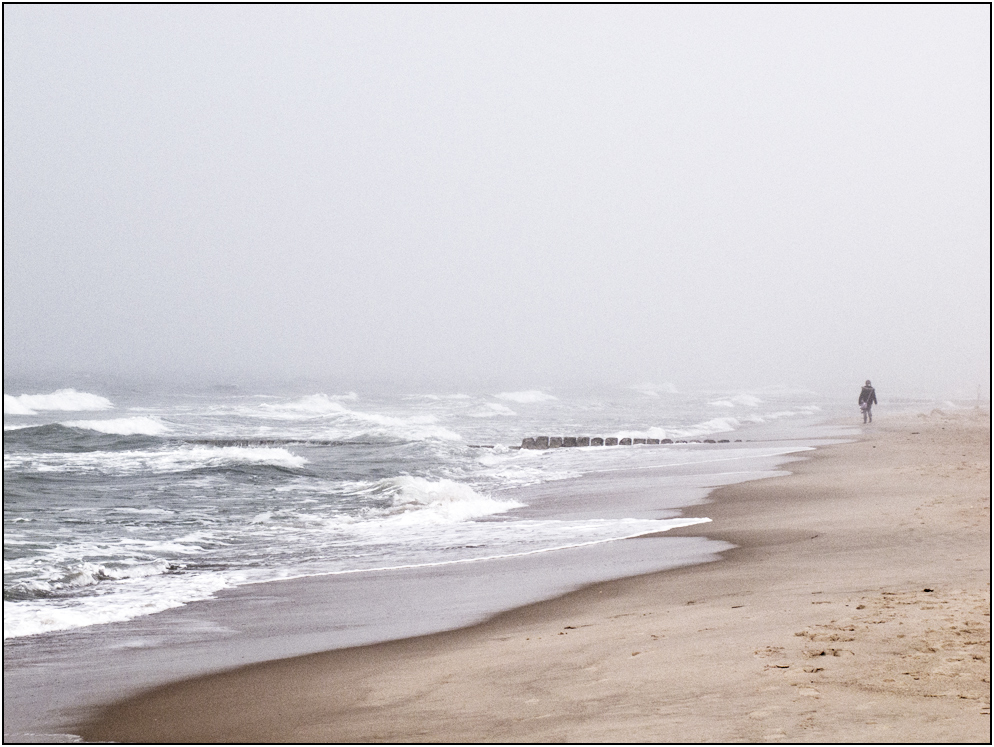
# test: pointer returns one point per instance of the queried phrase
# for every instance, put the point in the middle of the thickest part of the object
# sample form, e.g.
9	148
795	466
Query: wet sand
856	607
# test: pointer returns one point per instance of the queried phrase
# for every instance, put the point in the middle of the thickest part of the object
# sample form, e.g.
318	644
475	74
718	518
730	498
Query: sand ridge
856	607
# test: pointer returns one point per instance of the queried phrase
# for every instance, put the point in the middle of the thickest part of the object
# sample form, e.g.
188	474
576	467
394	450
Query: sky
527	196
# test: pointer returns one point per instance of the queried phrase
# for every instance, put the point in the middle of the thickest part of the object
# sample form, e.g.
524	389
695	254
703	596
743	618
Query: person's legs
869	411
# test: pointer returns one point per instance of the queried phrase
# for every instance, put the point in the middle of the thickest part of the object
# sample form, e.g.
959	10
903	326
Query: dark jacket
868	395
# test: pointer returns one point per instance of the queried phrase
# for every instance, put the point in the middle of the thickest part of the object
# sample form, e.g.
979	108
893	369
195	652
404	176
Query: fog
500	196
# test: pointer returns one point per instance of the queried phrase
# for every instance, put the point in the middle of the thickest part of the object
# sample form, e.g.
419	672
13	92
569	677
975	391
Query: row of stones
556	442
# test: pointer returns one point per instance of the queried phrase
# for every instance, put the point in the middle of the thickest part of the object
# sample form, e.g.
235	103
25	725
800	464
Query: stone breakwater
564	442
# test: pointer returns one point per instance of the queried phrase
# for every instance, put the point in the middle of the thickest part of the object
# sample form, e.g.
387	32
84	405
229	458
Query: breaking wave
135	597
492	410
62	399
315	404
85	573
707	428
345	424
174	460
137	426
419	500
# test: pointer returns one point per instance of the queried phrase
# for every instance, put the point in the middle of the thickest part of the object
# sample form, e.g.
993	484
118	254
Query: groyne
565	442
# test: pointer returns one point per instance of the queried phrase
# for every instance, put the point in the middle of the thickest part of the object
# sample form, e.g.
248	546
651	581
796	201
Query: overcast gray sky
740	195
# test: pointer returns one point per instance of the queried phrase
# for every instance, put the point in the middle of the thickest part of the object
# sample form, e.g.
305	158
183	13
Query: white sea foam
513	474
526	397
315	404
132	597
426	537
13	406
137	426
415	428
419	500
345	424
162	461
147	511
707	428
63	399
90	574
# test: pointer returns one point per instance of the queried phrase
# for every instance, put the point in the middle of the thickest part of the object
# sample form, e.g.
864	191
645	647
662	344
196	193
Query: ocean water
121	505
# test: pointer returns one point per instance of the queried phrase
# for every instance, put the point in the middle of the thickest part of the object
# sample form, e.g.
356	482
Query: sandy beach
856	607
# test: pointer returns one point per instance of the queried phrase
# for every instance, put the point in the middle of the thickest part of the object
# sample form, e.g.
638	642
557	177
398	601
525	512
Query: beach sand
855	608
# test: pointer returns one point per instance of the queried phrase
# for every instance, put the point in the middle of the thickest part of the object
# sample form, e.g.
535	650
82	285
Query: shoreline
58	679
793	636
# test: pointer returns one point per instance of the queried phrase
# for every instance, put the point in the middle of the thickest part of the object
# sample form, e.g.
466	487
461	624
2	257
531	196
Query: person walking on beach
867	399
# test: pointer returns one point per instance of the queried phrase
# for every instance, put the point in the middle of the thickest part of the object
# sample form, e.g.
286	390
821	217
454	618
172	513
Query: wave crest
419	500
137	426
89	574
62	399
314	404
345	424
709	427
172	460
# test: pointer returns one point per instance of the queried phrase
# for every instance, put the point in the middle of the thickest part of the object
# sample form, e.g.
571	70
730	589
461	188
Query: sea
156	533
122	504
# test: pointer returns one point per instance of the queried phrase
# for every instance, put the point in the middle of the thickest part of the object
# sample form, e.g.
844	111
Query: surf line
682	523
